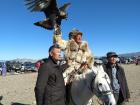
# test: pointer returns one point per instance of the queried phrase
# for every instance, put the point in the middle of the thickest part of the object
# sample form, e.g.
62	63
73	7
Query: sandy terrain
19	89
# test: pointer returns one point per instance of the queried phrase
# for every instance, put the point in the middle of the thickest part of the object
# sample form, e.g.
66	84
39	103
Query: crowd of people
54	77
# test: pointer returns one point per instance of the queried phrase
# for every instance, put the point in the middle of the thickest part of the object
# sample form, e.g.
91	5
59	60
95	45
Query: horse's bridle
103	93
108	91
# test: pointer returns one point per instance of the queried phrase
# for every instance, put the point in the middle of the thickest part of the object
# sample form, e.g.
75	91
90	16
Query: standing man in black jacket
50	87
118	79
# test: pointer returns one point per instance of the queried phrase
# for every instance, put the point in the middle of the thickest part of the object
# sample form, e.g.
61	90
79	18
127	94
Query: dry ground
19	89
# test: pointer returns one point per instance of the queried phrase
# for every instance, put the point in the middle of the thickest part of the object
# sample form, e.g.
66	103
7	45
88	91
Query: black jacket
124	91
50	87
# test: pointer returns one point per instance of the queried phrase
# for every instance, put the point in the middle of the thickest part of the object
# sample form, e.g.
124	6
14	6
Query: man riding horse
76	53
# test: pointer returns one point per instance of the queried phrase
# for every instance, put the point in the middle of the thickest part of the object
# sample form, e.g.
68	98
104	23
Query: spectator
118	79
4	69
50	87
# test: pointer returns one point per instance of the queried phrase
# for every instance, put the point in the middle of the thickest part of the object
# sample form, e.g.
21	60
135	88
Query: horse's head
103	88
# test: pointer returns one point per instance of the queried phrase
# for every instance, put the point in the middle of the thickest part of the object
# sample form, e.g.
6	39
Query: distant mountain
2	60
24	60
34	60
136	54
130	54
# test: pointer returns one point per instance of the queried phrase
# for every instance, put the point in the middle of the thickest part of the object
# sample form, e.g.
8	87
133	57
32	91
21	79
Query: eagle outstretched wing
65	7
39	5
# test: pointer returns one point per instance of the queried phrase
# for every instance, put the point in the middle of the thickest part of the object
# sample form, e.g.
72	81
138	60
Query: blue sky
108	25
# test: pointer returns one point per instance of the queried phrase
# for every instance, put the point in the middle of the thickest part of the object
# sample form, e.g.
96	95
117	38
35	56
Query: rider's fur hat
75	32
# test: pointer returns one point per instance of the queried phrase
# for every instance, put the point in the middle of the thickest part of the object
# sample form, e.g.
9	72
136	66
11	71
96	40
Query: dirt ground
19	89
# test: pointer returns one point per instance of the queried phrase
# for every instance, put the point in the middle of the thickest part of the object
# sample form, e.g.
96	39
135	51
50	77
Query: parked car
28	66
103	59
16	66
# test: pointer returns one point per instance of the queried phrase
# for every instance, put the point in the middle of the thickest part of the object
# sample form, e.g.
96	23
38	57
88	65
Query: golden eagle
54	15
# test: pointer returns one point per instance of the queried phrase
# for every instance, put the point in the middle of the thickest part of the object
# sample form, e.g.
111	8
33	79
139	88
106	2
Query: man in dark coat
118	79
50	87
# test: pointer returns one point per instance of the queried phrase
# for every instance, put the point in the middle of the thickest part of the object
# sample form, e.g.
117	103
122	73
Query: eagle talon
57	30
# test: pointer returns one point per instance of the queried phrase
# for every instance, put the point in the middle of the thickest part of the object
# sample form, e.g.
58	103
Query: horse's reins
108	91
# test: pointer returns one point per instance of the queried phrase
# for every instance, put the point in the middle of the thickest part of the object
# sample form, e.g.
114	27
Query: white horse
93	82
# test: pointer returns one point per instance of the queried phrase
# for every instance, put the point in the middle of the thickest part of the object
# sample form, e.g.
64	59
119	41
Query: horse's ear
95	70
107	77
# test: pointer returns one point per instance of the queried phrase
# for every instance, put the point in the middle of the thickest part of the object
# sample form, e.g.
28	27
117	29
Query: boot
1	98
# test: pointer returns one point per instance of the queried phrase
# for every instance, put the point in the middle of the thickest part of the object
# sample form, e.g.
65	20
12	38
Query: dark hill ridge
130	54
